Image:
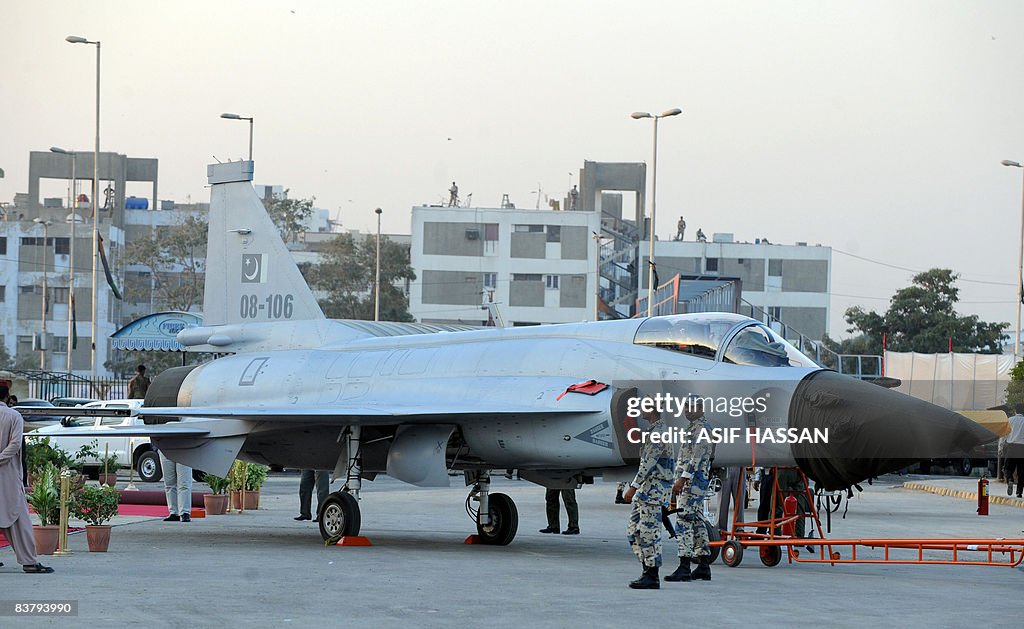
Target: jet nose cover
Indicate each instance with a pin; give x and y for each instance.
(872, 430)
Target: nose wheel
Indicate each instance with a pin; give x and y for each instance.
(339, 516)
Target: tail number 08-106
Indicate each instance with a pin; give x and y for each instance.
(274, 306)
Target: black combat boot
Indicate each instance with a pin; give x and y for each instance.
(647, 581)
(619, 500)
(703, 570)
(682, 573)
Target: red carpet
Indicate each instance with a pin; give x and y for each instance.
(153, 511)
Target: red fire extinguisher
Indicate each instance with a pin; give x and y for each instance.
(789, 508)
(982, 496)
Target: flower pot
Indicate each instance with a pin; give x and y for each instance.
(46, 539)
(98, 537)
(108, 479)
(216, 504)
(252, 500)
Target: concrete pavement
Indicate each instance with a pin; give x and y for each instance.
(263, 569)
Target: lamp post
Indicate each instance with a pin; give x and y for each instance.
(637, 115)
(1020, 260)
(376, 281)
(42, 316)
(237, 117)
(73, 39)
(73, 219)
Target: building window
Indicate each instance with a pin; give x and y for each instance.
(58, 295)
(490, 280)
(3, 293)
(59, 344)
(526, 277)
(490, 232)
(554, 233)
(774, 268)
(774, 313)
(62, 246)
(30, 290)
(533, 229)
(3, 245)
(551, 282)
(711, 265)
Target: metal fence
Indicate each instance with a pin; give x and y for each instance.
(47, 385)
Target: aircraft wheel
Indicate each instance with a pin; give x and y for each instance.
(504, 521)
(770, 555)
(732, 553)
(339, 515)
(713, 536)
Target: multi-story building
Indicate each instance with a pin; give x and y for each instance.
(788, 284)
(536, 265)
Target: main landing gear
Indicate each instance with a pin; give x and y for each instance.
(496, 516)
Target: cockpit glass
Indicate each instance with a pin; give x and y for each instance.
(688, 334)
(753, 346)
(759, 346)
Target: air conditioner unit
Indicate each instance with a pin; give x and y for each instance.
(472, 234)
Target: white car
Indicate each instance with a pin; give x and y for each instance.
(134, 451)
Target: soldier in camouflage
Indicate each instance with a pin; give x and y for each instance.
(693, 469)
(649, 492)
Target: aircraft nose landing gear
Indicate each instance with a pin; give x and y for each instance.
(497, 518)
(339, 516)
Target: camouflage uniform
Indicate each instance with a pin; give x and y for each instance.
(693, 462)
(653, 484)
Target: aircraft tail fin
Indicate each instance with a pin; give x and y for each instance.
(250, 274)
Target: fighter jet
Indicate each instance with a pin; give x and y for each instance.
(549, 404)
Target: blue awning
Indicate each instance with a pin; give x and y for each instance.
(157, 331)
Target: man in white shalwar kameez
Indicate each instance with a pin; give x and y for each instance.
(14, 519)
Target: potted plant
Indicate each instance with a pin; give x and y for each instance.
(216, 502)
(45, 500)
(38, 452)
(96, 506)
(108, 470)
(253, 475)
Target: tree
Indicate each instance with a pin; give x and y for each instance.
(346, 273)
(175, 257)
(1015, 388)
(921, 318)
(5, 359)
(290, 215)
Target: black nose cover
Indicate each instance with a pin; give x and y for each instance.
(872, 430)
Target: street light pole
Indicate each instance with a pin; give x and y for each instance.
(1020, 259)
(42, 317)
(637, 115)
(73, 219)
(95, 201)
(376, 282)
(237, 117)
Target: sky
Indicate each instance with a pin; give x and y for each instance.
(874, 127)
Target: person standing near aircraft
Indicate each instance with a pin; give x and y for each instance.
(178, 488)
(139, 383)
(572, 510)
(15, 523)
(649, 492)
(1014, 450)
(322, 480)
(693, 468)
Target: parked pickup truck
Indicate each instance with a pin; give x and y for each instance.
(142, 456)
